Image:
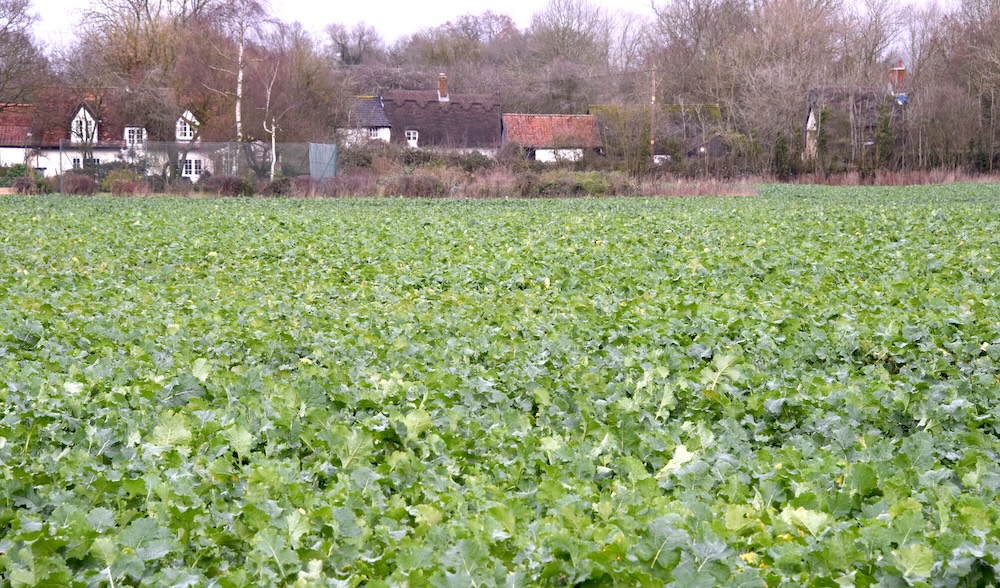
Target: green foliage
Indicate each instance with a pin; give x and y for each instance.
(795, 389)
(558, 183)
(782, 162)
(885, 138)
(121, 176)
(474, 161)
(10, 173)
(32, 185)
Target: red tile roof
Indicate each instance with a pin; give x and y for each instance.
(15, 124)
(552, 131)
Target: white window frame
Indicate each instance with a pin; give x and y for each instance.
(135, 137)
(185, 131)
(412, 137)
(79, 163)
(373, 132)
(192, 168)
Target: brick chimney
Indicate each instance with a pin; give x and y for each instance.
(897, 79)
(442, 88)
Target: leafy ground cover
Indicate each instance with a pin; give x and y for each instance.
(799, 388)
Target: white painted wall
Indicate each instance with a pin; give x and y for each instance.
(11, 155)
(55, 163)
(556, 155)
(353, 137)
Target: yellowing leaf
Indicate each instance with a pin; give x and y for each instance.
(200, 369)
(239, 439)
(681, 457)
(171, 431)
(417, 421)
(810, 520)
(104, 549)
(915, 561)
(739, 517)
(298, 525)
(427, 515)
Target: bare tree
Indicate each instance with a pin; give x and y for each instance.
(921, 32)
(355, 45)
(304, 98)
(135, 37)
(571, 29)
(701, 26)
(238, 23)
(870, 30)
(20, 58)
(484, 28)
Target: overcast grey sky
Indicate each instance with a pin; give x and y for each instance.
(392, 18)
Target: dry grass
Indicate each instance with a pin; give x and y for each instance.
(680, 187)
(389, 179)
(895, 178)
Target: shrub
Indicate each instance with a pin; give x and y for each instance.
(348, 185)
(527, 184)
(180, 186)
(225, 185)
(79, 184)
(419, 157)
(26, 185)
(155, 184)
(119, 174)
(362, 155)
(555, 183)
(354, 185)
(124, 187)
(512, 155)
(303, 187)
(418, 184)
(474, 161)
(277, 187)
(14, 170)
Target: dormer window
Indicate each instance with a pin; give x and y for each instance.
(135, 137)
(185, 132)
(187, 126)
(84, 127)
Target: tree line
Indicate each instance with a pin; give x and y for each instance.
(734, 71)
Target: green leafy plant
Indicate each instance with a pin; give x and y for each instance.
(793, 389)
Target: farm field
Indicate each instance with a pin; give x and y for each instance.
(799, 388)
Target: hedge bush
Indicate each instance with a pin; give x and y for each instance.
(79, 185)
(225, 185)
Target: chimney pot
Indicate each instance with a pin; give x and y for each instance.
(442, 88)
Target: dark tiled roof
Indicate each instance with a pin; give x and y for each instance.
(847, 108)
(15, 123)
(470, 121)
(367, 111)
(552, 131)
